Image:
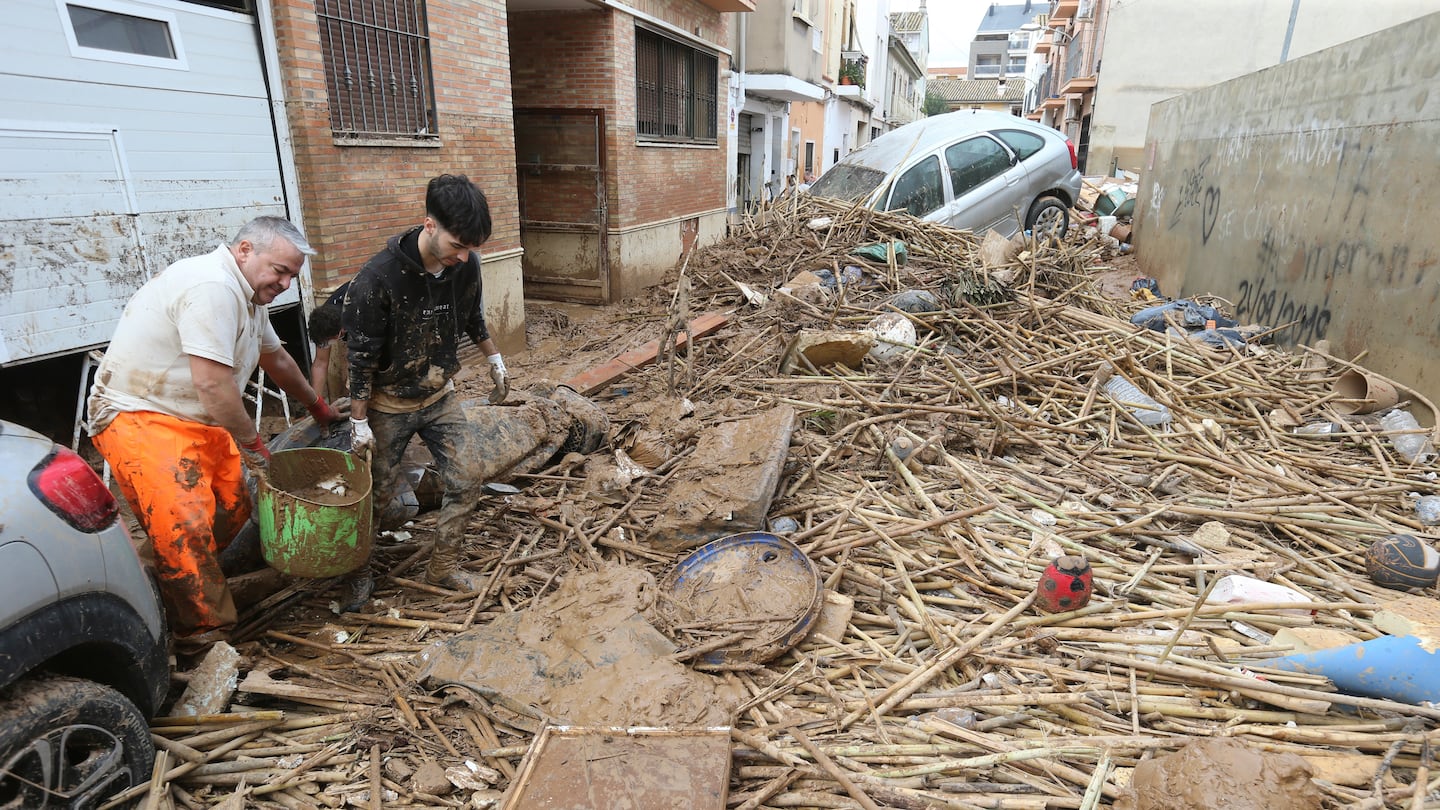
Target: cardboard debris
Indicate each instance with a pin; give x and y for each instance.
(1310, 639)
(586, 654)
(821, 350)
(579, 768)
(834, 619)
(1410, 615)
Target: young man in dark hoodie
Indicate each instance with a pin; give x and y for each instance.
(404, 314)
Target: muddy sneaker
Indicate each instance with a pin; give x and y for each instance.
(355, 591)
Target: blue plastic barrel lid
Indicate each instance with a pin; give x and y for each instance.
(753, 579)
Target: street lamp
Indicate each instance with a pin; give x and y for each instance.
(1000, 85)
(1034, 26)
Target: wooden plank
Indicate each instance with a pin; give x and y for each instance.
(591, 380)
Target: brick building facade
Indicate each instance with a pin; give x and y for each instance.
(372, 121)
(661, 195)
(358, 190)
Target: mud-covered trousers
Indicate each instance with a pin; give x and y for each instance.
(452, 440)
(184, 482)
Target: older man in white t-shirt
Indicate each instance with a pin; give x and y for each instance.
(167, 410)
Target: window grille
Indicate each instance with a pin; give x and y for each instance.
(675, 90)
(377, 67)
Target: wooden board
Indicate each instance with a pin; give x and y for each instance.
(591, 380)
(580, 768)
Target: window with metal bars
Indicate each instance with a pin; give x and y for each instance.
(675, 90)
(377, 68)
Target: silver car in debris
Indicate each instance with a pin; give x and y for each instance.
(972, 169)
(83, 644)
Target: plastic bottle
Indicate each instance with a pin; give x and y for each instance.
(1413, 447)
(1147, 410)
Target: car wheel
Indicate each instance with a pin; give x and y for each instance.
(71, 743)
(1048, 218)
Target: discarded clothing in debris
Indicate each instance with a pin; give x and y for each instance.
(1187, 313)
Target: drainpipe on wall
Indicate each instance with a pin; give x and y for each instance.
(1289, 30)
(737, 105)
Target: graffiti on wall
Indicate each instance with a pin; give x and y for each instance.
(1309, 253)
(1196, 195)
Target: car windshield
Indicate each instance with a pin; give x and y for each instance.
(848, 182)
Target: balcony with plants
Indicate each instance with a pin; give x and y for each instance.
(852, 71)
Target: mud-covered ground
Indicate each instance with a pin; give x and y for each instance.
(929, 490)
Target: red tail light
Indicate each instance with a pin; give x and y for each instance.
(1074, 160)
(70, 489)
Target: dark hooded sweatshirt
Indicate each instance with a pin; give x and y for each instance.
(403, 324)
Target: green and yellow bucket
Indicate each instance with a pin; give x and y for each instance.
(314, 513)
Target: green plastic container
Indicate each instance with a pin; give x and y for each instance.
(306, 529)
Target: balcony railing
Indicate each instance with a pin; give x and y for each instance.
(1077, 59)
(987, 70)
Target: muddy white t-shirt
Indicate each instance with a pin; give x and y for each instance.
(199, 306)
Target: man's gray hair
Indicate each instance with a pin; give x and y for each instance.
(262, 232)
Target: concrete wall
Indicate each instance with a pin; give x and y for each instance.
(1306, 193)
(786, 38)
(1155, 51)
(641, 257)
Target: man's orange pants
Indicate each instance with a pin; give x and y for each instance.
(184, 482)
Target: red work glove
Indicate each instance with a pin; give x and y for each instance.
(323, 411)
(255, 455)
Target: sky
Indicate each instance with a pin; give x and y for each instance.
(952, 25)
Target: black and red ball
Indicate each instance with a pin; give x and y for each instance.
(1402, 561)
(1066, 584)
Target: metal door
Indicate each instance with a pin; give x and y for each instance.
(560, 166)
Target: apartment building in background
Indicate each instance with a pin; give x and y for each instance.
(1070, 38)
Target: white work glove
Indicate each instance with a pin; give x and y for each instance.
(497, 376)
(362, 439)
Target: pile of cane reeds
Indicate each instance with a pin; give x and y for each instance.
(931, 491)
